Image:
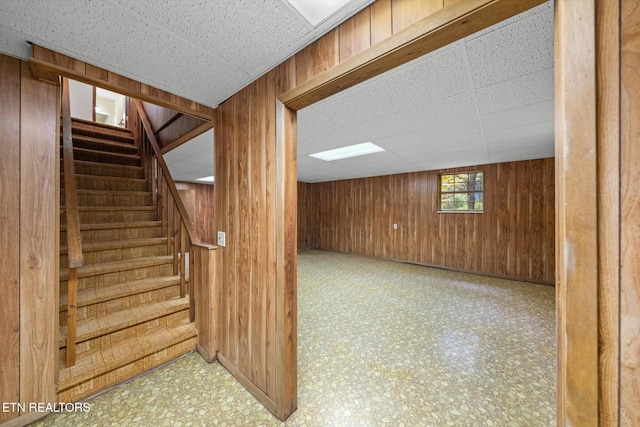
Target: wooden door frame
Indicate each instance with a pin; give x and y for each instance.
(576, 284)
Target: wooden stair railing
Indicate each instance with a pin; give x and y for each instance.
(176, 223)
(74, 242)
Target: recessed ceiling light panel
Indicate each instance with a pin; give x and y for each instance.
(348, 151)
(206, 179)
(316, 11)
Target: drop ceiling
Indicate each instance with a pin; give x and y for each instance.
(203, 50)
(487, 98)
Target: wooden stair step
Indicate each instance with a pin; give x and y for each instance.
(81, 191)
(112, 197)
(100, 182)
(103, 144)
(116, 266)
(98, 362)
(85, 167)
(107, 157)
(113, 225)
(115, 208)
(117, 244)
(95, 327)
(101, 130)
(94, 296)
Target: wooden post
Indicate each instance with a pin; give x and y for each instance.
(72, 292)
(205, 287)
(576, 214)
(183, 244)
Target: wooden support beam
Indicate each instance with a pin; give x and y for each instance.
(48, 65)
(188, 136)
(449, 24)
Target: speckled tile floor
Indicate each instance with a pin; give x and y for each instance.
(380, 344)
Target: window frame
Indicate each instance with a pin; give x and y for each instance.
(465, 211)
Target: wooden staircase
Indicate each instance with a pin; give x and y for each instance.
(130, 316)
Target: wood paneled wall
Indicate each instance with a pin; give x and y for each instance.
(198, 199)
(10, 232)
(370, 26)
(255, 203)
(307, 216)
(28, 237)
(514, 237)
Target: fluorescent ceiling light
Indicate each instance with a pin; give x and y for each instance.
(316, 11)
(206, 178)
(348, 151)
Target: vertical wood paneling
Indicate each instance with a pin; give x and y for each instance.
(608, 111)
(242, 237)
(630, 215)
(406, 12)
(380, 12)
(515, 230)
(256, 207)
(355, 34)
(201, 196)
(308, 217)
(319, 56)
(259, 247)
(270, 236)
(10, 232)
(38, 239)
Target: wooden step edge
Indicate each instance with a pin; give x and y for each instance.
(118, 320)
(88, 270)
(99, 362)
(116, 208)
(110, 165)
(80, 176)
(118, 244)
(106, 139)
(97, 125)
(95, 296)
(114, 225)
(77, 150)
(111, 192)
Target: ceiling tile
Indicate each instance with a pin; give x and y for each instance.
(520, 116)
(520, 132)
(512, 51)
(533, 88)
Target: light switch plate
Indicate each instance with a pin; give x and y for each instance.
(222, 239)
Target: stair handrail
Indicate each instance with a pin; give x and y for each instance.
(74, 241)
(193, 236)
(74, 238)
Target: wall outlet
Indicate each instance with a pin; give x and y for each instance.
(395, 226)
(222, 239)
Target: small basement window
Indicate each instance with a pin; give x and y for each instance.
(462, 192)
